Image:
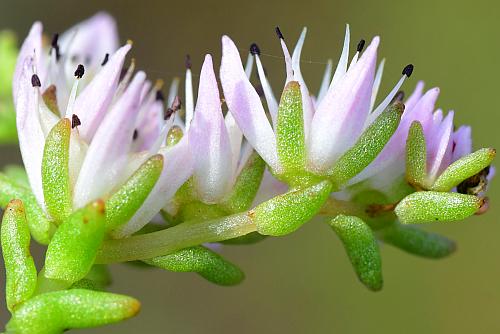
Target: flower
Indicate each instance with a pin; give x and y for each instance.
(117, 124)
(332, 123)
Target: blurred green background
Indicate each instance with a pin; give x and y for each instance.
(304, 283)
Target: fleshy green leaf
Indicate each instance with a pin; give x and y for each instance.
(431, 206)
(246, 186)
(124, 203)
(368, 146)
(464, 168)
(416, 241)
(416, 155)
(203, 261)
(73, 248)
(40, 227)
(174, 135)
(98, 278)
(55, 312)
(290, 131)
(285, 213)
(362, 249)
(55, 171)
(19, 265)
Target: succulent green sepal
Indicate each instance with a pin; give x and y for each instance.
(368, 146)
(21, 275)
(362, 248)
(285, 213)
(464, 168)
(40, 226)
(203, 261)
(416, 241)
(431, 206)
(72, 251)
(416, 156)
(290, 139)
(56, 312)
(55, 171)
(125, 202)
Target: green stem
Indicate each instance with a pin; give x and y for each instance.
(334, 207)
(166, 241)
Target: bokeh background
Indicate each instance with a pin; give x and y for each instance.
(304, 282)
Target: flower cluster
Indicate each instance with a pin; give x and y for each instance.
(115, 172)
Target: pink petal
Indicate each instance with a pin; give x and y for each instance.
(209, 140)
(439, 149)
(109, 149)
(30, 133)
(341, 115)
(32, 46)
(462, 142)
(87, 43)
(93, 102)
(245, 105)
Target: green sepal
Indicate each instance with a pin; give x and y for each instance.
(416, 156)
(55, 171)
(431, 206)
(290, 139)
(285, 213)
(20, 270)
(73, 249)
(246, 186)
(55, 312)
(203, 261)
(40, 227)
(419, 242)
(368, 146)
(464, 168)
(125, 202)
(362, 248)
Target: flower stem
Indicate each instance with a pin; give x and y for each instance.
(166, 241)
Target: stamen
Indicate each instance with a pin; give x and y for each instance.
(80, 71)
(399, 97)
(327, 76)
(360, 46)
(278, 32)
(75, 121)
(189, 96)
(168, 113)
(35, 81)
(105, 60)
(390, 97)
(376, 83)
(272, 103)
(173, 90)
(135, 135)
(408, 70)
(254, 49)
(159, 96)
(344, 58)
(55, 46)
(176, 104)
(188, 62)
(249, 65)
(286, 53)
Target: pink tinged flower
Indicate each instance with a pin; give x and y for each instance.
(126, 124)
(332, 122)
